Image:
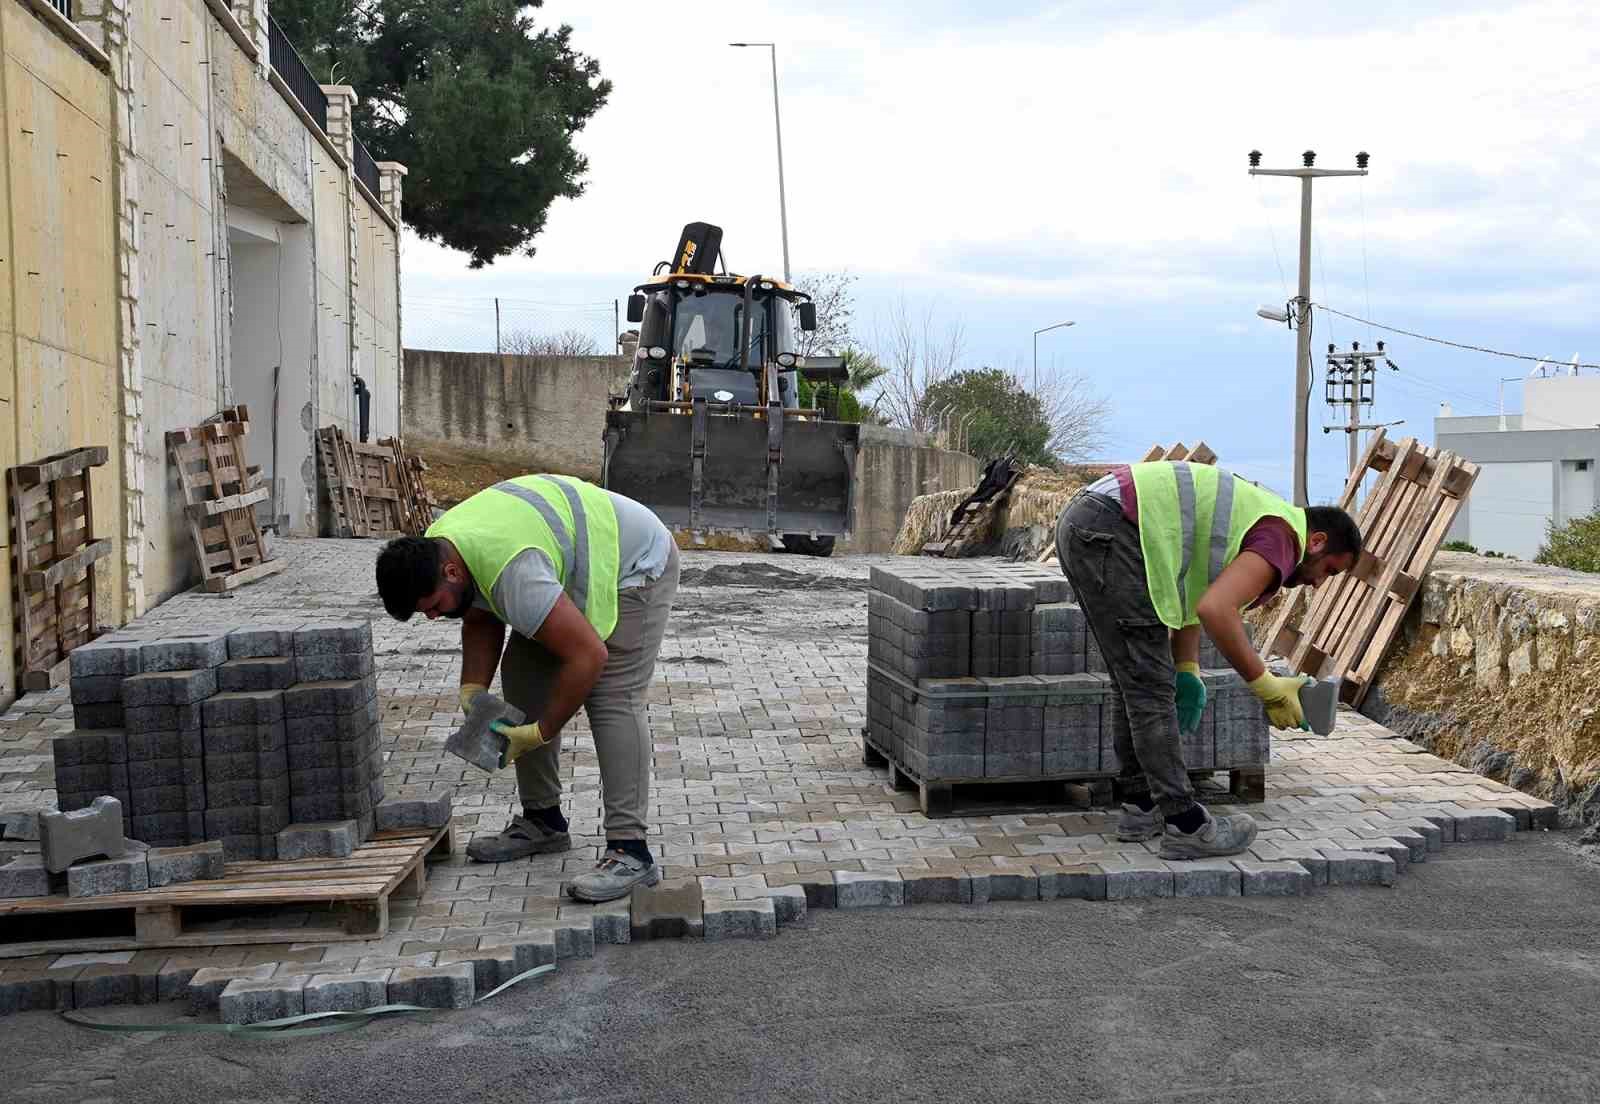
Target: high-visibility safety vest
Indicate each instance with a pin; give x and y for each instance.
(1192, 520)
(572, 522)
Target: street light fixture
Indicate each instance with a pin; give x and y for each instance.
(1036, 334)
(777, 124)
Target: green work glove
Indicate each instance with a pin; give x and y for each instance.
(519, 738)
(1191, 697)
(1281, 696)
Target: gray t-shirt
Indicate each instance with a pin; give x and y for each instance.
(527, 589)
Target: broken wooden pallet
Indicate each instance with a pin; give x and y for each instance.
(53, 558)
(220, 493)
(973, 525)
(1343, 629)
(348, 898)
(1200, 454)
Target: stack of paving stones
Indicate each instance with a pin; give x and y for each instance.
(238, 737)
(984, 670)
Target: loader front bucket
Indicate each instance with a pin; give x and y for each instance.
(711, 469)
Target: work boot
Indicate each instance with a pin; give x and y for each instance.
(616, 875)
(517, 840)
(1135, 825)
(1218, 836)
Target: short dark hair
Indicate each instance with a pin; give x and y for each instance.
(1344, 535)
(408, 571)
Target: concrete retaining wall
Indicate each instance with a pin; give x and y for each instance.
(549, 411)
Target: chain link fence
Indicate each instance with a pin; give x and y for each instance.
(520, 326)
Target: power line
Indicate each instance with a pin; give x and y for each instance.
(1446, 341)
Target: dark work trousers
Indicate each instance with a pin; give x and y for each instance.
(1100, 554)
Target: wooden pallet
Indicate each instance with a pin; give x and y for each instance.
(939, 798)
(1344, 628)
(220, 493)
(372, 490)
(976, 520)
(53, 558)
(349, 899)
(1200, 454)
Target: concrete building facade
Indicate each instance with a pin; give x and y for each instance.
(192, 224)
(1539, 466)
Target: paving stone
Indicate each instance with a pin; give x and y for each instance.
(265, 673)
(429, 811)
(323, 668)
(328, 839)
(161, 718)
(245, 739)
(1273, 879)
(1082, 881)
(253, 1000)
(1484, 824)
(332, 639)
(96, 690)
(669, 910)
(433, 986)
(19, 824)
(334, 726)
(99, 715)
(930, 889)
(243, 707)
(491, 966)
(196, 862)
(788, 904)
(24, 876)
(612, 920)
(64, 838)
(206, 984)
(261, 641)
(530, 948)
(853, 889)
(1205, 878)
(105, 984)
(104, 658)
(574, 938)
(732, 919)
(173, 687)
(351, 992)
(1125, 882)
(193, 651)
(1358, 868)
(334, 696)
(1006, 885)
(127, 874)
(31, 991)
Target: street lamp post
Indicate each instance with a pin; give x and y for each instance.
(777, 125)
(1036, 334)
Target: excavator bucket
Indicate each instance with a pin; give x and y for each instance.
(707, 469)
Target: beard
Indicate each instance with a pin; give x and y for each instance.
(469, 594)
(1297, 577)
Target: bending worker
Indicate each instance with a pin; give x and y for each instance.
(585, 579)
(1154, 553)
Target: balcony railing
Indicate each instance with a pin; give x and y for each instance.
(286, 60)
(62, 6)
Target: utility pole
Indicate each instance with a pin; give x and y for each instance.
(497, 324)
(1302, 302)
(1352, 383)
(777, 126)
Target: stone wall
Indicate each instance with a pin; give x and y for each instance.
(896, 466)
(1498, 668)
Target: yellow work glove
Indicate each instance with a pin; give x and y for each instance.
(519, 738)
(1281, 696)
(470, 690)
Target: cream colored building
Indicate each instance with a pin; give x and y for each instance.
(191, 225)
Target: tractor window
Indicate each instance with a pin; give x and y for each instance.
(657, 320)
(708, 323)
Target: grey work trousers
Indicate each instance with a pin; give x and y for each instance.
(615, 708)
(1100, 553)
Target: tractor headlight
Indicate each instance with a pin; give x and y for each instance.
(658, 352)
(786, 359)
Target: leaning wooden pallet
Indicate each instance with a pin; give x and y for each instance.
(220, 491)
(352, 893)
(53, 557)
(378, 477)
(1345, 628)
(372, 490)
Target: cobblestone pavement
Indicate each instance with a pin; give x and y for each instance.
(761, 804)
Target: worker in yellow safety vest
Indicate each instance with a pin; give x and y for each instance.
(1155, 552)
(585, 579)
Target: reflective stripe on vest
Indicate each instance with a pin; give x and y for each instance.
(575, 551)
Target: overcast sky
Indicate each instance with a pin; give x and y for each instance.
(1086, 161)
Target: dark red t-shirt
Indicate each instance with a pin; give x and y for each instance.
(1271, 538)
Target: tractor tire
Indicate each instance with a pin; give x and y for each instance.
(808, 546)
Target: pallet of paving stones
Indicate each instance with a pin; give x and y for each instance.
(372, 490)
(985, 674)
(323, 899)
(221, 491)
(1343, 629)
(53, 562)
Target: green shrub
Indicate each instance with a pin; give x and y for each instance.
(1575, 545)
(1458, 546)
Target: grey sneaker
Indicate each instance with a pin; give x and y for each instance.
(1218, 836)
(616, 875)
(1135, 825)
(517, 840)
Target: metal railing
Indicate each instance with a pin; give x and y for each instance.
(366, 168)
(62, 6)
(286, 60)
